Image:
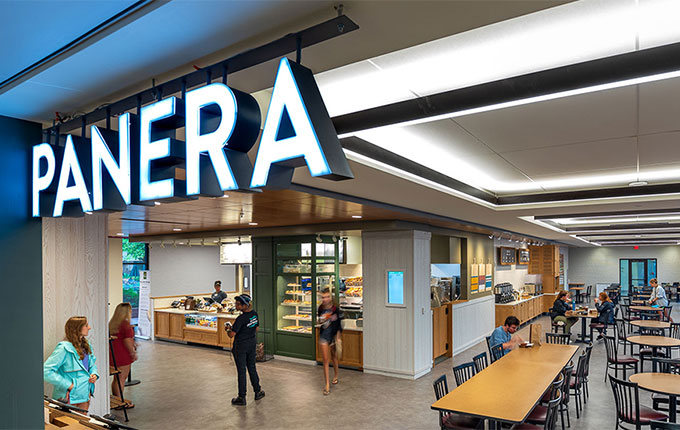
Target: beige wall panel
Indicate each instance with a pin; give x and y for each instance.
(75, 276)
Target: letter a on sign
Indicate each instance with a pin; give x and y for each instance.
(298, 131)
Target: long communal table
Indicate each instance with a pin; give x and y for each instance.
(509, 388)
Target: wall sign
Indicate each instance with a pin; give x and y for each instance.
(395, 288)
(221, 125)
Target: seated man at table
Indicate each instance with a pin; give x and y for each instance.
(559, 310)
(503, 335)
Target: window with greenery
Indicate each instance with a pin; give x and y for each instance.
(135, 258)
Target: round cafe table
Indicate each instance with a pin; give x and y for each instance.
(662, 383)
(654, 342)
(651, 324)
(645, 308)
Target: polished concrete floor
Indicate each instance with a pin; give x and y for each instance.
(190, 387)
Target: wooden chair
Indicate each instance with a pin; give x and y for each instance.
(463, 372)
(556, 325)
(556, 338)
(628, 407)
(551, 416)
(449, 420)
(480, 361)
(616, 361)
(496, 352)
(664, 365)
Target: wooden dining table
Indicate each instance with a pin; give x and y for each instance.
(508, 389)
(645, 308)
(662, 383)
(592, 313)
(651, 324)
(655, 342)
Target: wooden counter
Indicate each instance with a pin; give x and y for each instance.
(525, 309)
(169, 324)
(352, 349)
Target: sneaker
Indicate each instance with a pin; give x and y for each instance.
(599, 337)
(259, 395)
(238, 401)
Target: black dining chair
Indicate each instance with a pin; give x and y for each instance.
(616, 361)
(463, 372)
(450, 420)
(577, 384)
(628, 407)
(480, 361)
(621, 335)
(568, 371)
(539, 415)
(551, 416)
(664, 365)
(496, 352)
(588, 352)
(488, 346)
(589, 290)
(557, 338)
(662, 425)
(675, 330)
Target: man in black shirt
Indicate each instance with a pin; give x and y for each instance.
(218, 295)
(244, 333)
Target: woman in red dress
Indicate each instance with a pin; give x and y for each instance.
(124, 346)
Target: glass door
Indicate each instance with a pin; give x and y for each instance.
(636, 273)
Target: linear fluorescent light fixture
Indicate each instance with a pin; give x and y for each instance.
(632, 68)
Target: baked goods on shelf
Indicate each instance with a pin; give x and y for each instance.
(354, 292)
(357, 281)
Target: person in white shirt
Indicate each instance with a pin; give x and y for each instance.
(658, 295)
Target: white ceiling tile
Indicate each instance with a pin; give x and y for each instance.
(581, 158)
(659, 106)
(661, 148)
(595, 116)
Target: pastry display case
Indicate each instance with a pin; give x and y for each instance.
(352, 300)
(304, 267)
(193, 320)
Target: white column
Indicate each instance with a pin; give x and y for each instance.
(397, 341)
(75, 284)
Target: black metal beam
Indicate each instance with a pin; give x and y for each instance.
(272, 50)
(616, 68)
(377, 153)
(650, 212)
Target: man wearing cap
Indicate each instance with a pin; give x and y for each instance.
(218, 295)
(244, 331)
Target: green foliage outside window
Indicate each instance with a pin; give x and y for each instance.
(134, 252)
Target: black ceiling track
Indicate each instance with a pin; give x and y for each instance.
(622, 227)
(650, 212)
(273, 50)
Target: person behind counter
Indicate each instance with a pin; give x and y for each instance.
(503, 335)
(218, 295)
(331, 325)
(71, 367)
(123, 347)
(560, 308)
(244, 331)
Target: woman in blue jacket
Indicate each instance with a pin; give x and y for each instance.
(71, 368)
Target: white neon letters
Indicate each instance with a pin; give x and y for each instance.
(304, 143)
(41, 183)
(101, 155)
(213, 142)
(77, 191)
(154, 150)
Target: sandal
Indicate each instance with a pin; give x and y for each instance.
(326, 392)
(335, 381)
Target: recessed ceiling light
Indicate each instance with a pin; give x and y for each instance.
(89, 213)
(120, 234)
(252, 223)
(226, 196)
(357, 216)
(638, 183)
(215, 241)
(176, 229)
(157, 203)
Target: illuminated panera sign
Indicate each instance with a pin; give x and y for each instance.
(221, 126)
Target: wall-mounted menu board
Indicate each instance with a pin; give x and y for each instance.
(506, 256)
(523, 256)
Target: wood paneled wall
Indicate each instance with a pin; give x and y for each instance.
(75, 282)
(397, 340)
